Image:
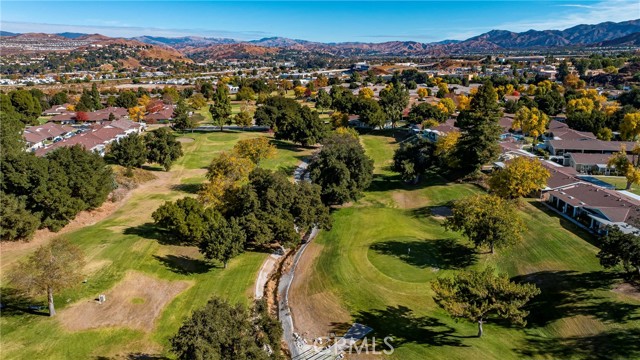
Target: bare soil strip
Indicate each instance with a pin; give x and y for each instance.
(135, 302)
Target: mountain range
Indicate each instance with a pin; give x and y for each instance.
(625, 33)
(611, 33)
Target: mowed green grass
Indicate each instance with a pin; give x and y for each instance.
(125, 242)
(382, 255)
(620, 183)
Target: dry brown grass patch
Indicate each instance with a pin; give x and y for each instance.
(628, 290)
(135, 302)
(408, 199)
(314, 314)
(185, 140)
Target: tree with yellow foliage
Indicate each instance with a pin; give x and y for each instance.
(605, 134)
(197, 101)
(429, 123)
(347, 131)
(584, 105)
(285, 85)
(630, 126)
(531, 90)
(322, 81)
(610, 109)
(256, 149)
(509, 89)
(521, 177)
(366, 93)
(543, 87)
(463, 102)
(144, 100)
(598, 100)
(630, 168)
(448, 104)
(443, 90)
(227, 171)
(136, 113)
(444, 149)
(532, 122)
(244, 118)
(574, 82)
(339, 119)
(422, 93)
(299, 91)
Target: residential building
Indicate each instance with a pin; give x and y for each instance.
(596, 208)
(588, 146)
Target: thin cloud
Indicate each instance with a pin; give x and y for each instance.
(616, 11)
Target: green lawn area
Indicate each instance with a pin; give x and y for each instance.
(365, 262)
(125, 242)
(620, 182)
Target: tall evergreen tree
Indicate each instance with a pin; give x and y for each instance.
(221, 108)
(95, 97)
(181, 119)
(480, 132)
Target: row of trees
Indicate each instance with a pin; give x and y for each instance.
(586, 109)
(159, 146)
(393, 100)
(291, 121)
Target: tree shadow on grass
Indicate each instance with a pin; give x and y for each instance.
(405, 327)
(284, 145)
(440, 253)
(142, 356)
(443, 210)
(614, 344)
(151, 231)
(152, 167)
(569, 293)
(15, 303)
(394, 182)
(386, 183)
(184, 265)
(187, 188)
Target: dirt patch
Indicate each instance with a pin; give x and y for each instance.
(628, 290)
(314, 313)
(135, 302)
(185, 140)
(408, 200)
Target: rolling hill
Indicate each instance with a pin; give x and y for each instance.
(626, 33)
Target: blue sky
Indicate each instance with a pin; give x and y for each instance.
(326, 21)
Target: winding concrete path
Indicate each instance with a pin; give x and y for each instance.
(263, 274)
(296, 347)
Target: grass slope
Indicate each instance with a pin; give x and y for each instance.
(126, 241)
(384, 251)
